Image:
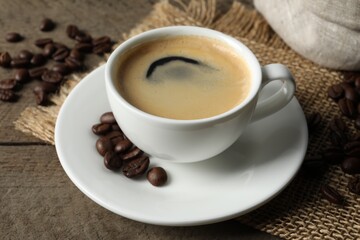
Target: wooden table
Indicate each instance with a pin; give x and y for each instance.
(37, 199)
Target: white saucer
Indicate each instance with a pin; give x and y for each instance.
(255, 169)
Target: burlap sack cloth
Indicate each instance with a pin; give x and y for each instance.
(299, 212)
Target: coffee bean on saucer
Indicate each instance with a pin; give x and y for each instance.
(37, 72)
(47, 25)
(103, 145)
(7, 96)
(42, 42)
(137, 166)
(115, 127)
(13, 37)
(157, 176)
(112, 161)
(22, 75)
(131, 154)
(8, 84)
(5, 59)
(332, 195)
(107, 117)
(114, 134)
(38, 60)
(26, 54)
(122, 146)
(354, 185)
(351, 165)
(51, 76)
(101, 128)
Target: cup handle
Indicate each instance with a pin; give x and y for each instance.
(279, 99)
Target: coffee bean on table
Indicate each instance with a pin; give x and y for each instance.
(13, 37)
(73, 63)
(47, 25)
(102, 48)
(19, 63)
(46, 87)
(104, 145)
(122, 146)
(42, 42)
(112, 161)
(37, 72)
(347, 107)
(26, 54)
(83, 37)
(101, 128)
(354, 185)
(338, 139)
(351, 94)
(51, 76)
(7, 96)
(60, 54)
(157, 176)
(332, 195)
(335, 92)
(61, 68)
(107, 117)
(5, 59)
(8, 84)
(38, 60)
(49, 49)
(22, 75)
(352, 148)
(337, 125)
(83, 47)
(41, 96)
(76, 54)
(72, 31)
(136, 166)
(101, 40)
(351, 165)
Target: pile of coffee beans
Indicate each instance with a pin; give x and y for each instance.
(120, 154)
(343, 151)
(63, 60)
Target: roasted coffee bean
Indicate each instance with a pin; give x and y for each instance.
(107, 117)
(72, 31)
(83, 37)
(101, 128)
(41, 96)
(349, 77)
(115, 127)
(8, 84)
(357, 82)
(26, 54)
(123, 145)
(116, 140)
(37, 72)
(7, 96)
(103, 145)
(112, 161)
(357, 122)
(47, 25)
(49, 49)
(352, 148)
(73, 63)
(76, 54)
(19, 63)
(83, 47)
(22, 75)
(102, 48)
(136, 167)
(114, 134)
(354, 185)
(101, 40)
(46, 87)
(314, 165)
(351, 165)
(338, 139)
(157, 176)
(333, 155)
(61, 68)
(51, 76)
(347, 107)
(132, 153)
(58, 45)
(5, 59)
(313, 121)
(38, 60)
(337, 125)
(332, 195)
(335, 92)
(60, 54)
(42, 42)
(351, 94)
(13, 37)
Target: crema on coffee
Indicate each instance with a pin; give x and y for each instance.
(183, 77)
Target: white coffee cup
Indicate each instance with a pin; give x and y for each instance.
(199, 139)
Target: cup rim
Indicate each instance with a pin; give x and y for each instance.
(249, 56)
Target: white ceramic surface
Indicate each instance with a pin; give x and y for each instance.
(251, 172)
(199, 139)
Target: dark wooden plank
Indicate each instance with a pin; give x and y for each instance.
(38, 201)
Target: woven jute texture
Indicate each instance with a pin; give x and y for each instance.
(299, 212)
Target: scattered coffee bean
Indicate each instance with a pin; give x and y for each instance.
(103, 145)
(338, 139)
(51, 76)
(332, 195)
(72, 31)
(131, 154)
(36, 73)
(61, 68)
(83, 47)
(313, 121)
(108, 117)
(38, 60)
(46, 87)
(101, 128)
(101, 40)
(41, 96)
(83, 37)
(352, 148)
(157, 176)
(7, 96)
(42, 42)
(115, 127)
(333, 155)
(19, 63)
(354, 185)
(13, 37)
(351, 165)
(116, 140)
(337, 125)
(76, 54)
(112, 161)
(335, 92)
(114, 134)
(357, 122)
(5, 59)
(123, 146)
(60, 45)
(60, 54)
(351, 94)
(136, 166)
(73, 63)
(26, 54)
(47, 25)
(102, 48)
(347, 107)
(49, 49)
(8, 84)
(22, 75)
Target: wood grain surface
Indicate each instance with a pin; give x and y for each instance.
(37, 199)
